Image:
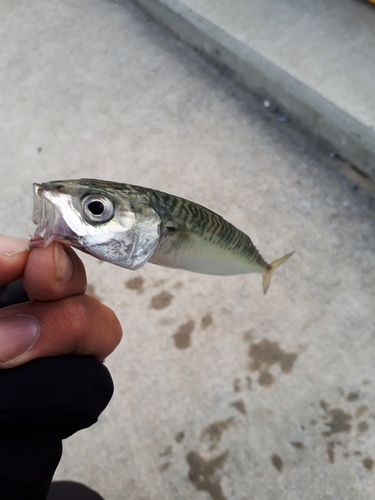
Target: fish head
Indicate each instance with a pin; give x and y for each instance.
(111, 224)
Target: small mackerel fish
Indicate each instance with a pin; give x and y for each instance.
(131, 225)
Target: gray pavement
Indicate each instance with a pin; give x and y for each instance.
(315, 61)
(221, 393)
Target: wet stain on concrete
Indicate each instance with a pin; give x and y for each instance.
(161, 300)
(362, 426)
(178, 285)
(277, 462)
(368, 463)
(179, 436)
(214, 431)
(361, 410)
(297, 444)
(206, 321)
(135, 284)
(203, 473)
(182, 338)
(240, 406)
(249, 335)
(352, 396)
(237, 385)
(339, 420)
(90, 290)
(330, 447)
(265, 354)
(164, 467)
(167, 451)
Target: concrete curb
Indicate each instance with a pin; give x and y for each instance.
(343, 133)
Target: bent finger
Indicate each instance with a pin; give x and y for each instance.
(14, 253)
(73, 325)
(53, 273)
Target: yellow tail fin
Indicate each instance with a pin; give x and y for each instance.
(267, 274)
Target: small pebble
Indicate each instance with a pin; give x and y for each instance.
(334, 156)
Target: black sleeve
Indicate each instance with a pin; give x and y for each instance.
(41, 403)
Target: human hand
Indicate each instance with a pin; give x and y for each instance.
(59, 319)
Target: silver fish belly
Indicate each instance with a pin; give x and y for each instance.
(131, 225)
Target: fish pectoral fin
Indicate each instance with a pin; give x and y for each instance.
(268, 273)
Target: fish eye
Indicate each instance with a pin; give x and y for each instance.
(97, 208)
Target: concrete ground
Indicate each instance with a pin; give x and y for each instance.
(313, 61)
(221, 393)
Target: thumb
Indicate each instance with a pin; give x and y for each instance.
(74, 325)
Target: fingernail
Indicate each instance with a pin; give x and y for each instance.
(17, 335)
(10, 245)
(63, 263)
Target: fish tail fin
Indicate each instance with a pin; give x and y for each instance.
(268, 273)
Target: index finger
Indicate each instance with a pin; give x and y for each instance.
(14, 253)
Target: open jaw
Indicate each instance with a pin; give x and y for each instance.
(50, 223)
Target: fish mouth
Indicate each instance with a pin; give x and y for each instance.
(50, 223)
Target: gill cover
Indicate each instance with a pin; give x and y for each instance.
(97, 222)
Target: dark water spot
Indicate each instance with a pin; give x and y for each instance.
(264, 355)
(346, 455)
(161, 300)
(248, 383)
(352, 396)
(215, 431)
(178, 285)
(357, 453)
(237, 385)
(339, 422)
(167, 451)
(206, 321)
(365, 382)
(361, 410)
(265, 379)
(277, 462)
(249, 335)
(90, 290)
(368, 463)
(362, 426)
(324, 405)
(40, 150)
(202, 473)
(297, 444)
(240, 406)
(313, 422)
(179, 436)
(135, 284)
(182, 338)
(164, 467)
(330, 447)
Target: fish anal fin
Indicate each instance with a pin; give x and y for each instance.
(268, 273)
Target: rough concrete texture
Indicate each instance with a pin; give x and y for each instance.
(315, 60)
(221, 392)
